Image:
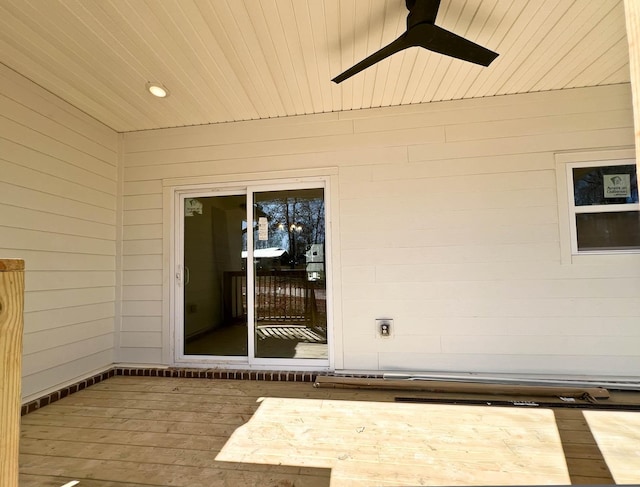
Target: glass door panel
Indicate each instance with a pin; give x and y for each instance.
(214, 279)
(290, 315)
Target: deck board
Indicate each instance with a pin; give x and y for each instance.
(617, 434)
(135, 431)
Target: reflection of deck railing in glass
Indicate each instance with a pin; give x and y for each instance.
(281, 296)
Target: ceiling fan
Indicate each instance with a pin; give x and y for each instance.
(422, 32)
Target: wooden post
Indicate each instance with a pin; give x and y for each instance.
(632, 14)
(11, 328)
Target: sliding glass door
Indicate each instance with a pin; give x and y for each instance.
(290, 312)
(214, 285)
(252, 278)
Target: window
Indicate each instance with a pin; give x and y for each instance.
(603, 202)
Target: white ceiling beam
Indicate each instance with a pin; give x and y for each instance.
(632, 14)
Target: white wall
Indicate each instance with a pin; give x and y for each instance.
(449, 223)
(58, 213)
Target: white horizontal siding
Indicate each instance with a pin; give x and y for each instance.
(62, 298)
(44, 163)
(141, 339)
(53, 338)
(62, 261)
(142, 293)
(554, 142)
(141, 278)
(141, 335)
(305, 126)
(49, 241)
(36, 321)
(443, 259)
(39, 197)
(140, 355)
(516, 326)
(566, 364)
(139, 217)
(142, 232)
(29, 137)
(141, 187)
(449, 223)
(499, 108)
(500, 129)
(58, 197)
(352, 141)
(142, 247)
(142, 323)
(266, 163)
(43, 281)
(438, 290)
(68, 353)
(142, 262)
(141, 308)
(17, 217)
(65, 372)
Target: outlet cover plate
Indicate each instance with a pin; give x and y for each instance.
(380, 322)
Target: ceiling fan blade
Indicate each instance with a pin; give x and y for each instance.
(396, 46)
(442, 41)
(422, 32)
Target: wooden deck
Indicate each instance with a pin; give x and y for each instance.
(147, 431)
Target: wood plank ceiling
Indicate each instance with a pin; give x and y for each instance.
(230, 60)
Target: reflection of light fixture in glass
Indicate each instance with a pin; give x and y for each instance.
(156, 89)
(280, 226)
(295, 228)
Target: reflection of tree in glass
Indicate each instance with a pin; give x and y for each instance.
(588, 189)
(588, 185)
(294, 224)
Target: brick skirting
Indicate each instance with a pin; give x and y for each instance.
(275, 376)
(66, 391)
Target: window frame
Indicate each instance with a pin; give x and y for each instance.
(608, 208)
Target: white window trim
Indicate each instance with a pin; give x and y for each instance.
(565, 162)
(173, 187)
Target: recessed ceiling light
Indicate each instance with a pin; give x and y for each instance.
(156, 89)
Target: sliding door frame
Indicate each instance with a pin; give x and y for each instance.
(177, 195)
